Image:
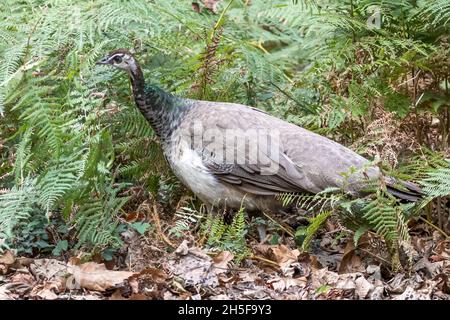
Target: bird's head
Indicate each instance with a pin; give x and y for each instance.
(122, 59)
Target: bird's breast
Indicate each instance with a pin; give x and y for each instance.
(187, 165)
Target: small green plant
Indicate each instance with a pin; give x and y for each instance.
(230, 237)
(140, 227)
(39, 236)
(304, 235)
(97, 220)
(437, 181)
(186, 218)
(380, 212)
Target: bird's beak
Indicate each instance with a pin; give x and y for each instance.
(103, 61)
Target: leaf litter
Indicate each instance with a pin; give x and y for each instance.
(152, 270)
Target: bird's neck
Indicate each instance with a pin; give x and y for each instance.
(158, 107)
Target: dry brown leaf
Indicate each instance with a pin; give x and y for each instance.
(281, 284)
(149, 277)
(314, 263)
(23, 262)
(436, 258)
(157, 275)
(6, 261)
(7, 258)
(345, 281)
(117, 295)
(138, 296)
(282, 255)
(196, 7)
(74, 261)
(350, 262)
(222, 259)
(196, 267)
(363, 287)
(377, 293)
(220, 297)
(212, 5)
(443, 282)
(183, 248)
(245, 276)
(442, 251)
(94, 276)
(87, 296)
(22, 277)
(193, 269)
(411, 294)
(45, 269)
(134, 284)
(5, 294)
(134, 216)
(259, 293)
(167, 295)
(21, 282)
(48, 290)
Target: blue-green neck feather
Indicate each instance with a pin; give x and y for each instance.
(161, 109)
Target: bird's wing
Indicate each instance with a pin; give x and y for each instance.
(303, 161)
(266, 177)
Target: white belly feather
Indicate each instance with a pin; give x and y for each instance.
(189, 168)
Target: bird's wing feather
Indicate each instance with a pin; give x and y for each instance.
(306, 162)
(256, 178)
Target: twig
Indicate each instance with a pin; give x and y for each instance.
(273, 263)
(439, 213)
(289, 232)
(411, 79)
(158, 227)
(435, 227)
(374, 255)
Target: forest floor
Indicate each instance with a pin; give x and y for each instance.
(152, 266)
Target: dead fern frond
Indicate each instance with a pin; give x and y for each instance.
(209, 65)
(384, 138)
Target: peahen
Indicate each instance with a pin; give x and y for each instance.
(272, 156)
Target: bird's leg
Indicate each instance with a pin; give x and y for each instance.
(294, 217)
(221, 211)
(261, 225)
(228, 215)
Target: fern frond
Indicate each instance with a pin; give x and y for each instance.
(97, 219)
(437, 182)
(186, 217)
(16, 205)
(315, 224)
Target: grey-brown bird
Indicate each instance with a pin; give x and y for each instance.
(231, 155)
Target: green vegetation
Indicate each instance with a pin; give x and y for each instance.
(72, 142)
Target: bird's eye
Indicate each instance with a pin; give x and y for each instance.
(117, 59)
